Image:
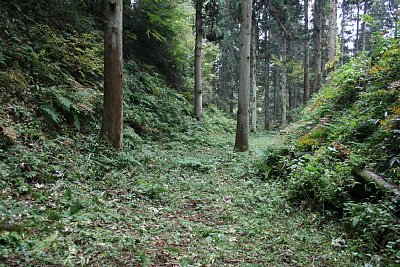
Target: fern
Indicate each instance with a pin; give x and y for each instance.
(64, 102)
(51, 114)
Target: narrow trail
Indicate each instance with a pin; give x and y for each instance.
(185, 203)
(208, 209)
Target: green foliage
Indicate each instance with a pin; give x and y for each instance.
(210, 53)
(326, 177)
(274, 166)
(52, 115)
(46, 70)
(354, 124)
(62, 14)
(151, 107)
(158, 34)
(314, 139)
(348, 82)
(65, 104)
(295, 70)
(182, 195)
(375, 225)
(163, 192)
(13, 82)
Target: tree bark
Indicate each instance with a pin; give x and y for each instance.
(276, 101)
(112, 123)
(253, 102)
(266, 89)
(343, 26)
(198, 112)
(318, 45)
(356, 45)
(290, 85)
(363, 28)
(306, 92)
(242, 128)
(332, 36)
(284, 82)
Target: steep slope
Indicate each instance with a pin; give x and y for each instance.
(349, 135)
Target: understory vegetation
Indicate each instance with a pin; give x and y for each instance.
(350, 126)
(177, 195)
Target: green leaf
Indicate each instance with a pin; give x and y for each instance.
(355, 221)
(173, 250)
(2, 57)
(51, 114)
(65, 103)
(143, 257)
(184, 262)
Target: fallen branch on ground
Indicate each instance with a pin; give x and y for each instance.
(370, 176)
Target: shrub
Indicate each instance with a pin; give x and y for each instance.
(375, 225)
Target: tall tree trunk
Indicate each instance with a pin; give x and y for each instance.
(276, 88)
(342, 30)
(226, 98)
(266, 89)
(289, 82)
(284, 81)
(332, 36)
(242, 128)
(197, 66)
(318, 45)
(294, 93)
(232, 96)
(224, 87)
(112, 122)
(306, 92)
(253, 101)
(357, 42)
(363, 28)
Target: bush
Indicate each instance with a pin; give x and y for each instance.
(375, 225)
(326, 177)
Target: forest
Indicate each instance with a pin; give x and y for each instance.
(243, 133)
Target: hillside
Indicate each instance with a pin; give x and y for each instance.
(342, 157)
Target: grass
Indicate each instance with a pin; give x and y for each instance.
(175, 204)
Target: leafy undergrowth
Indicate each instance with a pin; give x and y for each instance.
(176, 203)
(177, 195)
(350, 126)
